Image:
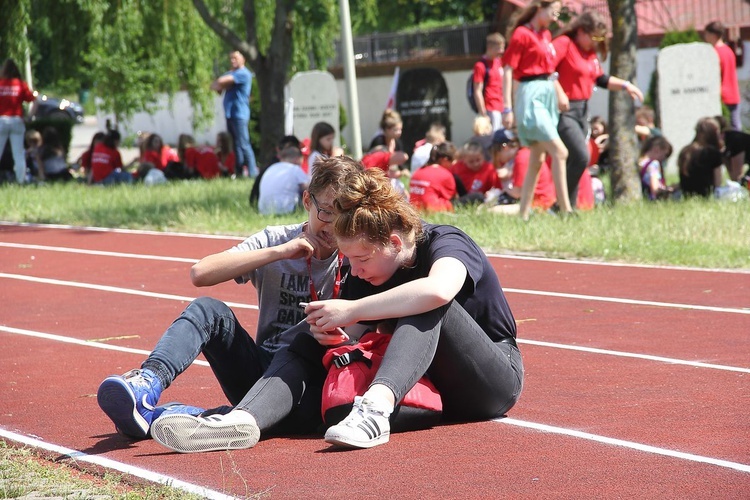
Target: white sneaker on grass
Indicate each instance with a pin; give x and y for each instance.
(190, 434)
(366, 426)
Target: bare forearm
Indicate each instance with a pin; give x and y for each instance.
(224, 266)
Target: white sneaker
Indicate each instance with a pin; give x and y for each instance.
(365, 427)
(189, 434)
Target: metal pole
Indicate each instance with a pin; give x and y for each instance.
(27, 62)
(350, 76)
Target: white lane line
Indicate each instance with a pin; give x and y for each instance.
(616, 264)
(615, 300)
(542, 427)
(121, 231)
(623, 354)
(76, 455)
(85, 343)
(96, 252)
(105, 288)
(492, 255)
(593, 350)
(620, 300)
(626, 444)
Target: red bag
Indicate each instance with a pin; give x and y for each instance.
(351, 369)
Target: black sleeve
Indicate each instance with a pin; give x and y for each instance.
(602, 81)
(460, 188)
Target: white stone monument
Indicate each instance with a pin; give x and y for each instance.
(689, 89)
(314, 98)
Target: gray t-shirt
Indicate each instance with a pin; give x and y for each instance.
(282, 285)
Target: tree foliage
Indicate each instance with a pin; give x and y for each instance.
(129, 51)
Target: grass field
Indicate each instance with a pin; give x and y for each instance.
(696, 233)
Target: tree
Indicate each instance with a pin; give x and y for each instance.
(626, 184)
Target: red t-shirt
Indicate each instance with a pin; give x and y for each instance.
(593, 152)
(104, 160)
(544, 194)
(160, 159)
(13, 93)
(203, 160)
(585, 199)
(480, 181)
(530, 53)
(577, 70)
(229, 162)
(377, 159)
(432, 188)
(730, 87)
(493, 91)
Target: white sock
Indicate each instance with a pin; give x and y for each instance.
(378, 400)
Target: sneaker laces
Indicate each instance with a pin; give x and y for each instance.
(363, 407)
(139, 379)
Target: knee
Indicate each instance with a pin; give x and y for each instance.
(205, 307)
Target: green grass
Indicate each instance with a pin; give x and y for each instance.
(24, 473)
(697, 233)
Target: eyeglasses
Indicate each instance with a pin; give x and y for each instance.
(323, 215)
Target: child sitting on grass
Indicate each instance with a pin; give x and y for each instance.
(654, 153)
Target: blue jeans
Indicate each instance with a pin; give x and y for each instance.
(243, 151)
(476, 377)
(118, 177)
(12, 129)
(282, 391)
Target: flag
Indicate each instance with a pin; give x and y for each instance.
(289, 117)
(391, 102)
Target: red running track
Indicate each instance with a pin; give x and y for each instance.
(636, 379)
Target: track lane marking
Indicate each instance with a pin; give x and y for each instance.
(624, 354)
(45, 248)
(489, 254)
(619, 300)
(616, 300)
(509, 421)
(77, 455)
(115, 289)
(623, 443)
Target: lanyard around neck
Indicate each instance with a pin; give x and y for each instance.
(336, 283)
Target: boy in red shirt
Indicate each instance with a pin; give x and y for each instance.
(106, 162)
(477, 175)
(730, 89)
(433, 187)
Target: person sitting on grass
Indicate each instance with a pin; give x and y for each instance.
(283, 183)
(287, 265)
(655, 151)
(433, 187)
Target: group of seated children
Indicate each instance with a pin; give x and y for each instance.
(451, 178)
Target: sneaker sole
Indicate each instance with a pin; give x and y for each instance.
(117, 400)
(188, 434)
(347, 442)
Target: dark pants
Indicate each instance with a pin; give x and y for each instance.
(476, 377)
(573, 128)
(282, 391)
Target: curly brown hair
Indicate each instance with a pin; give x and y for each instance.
(369, 207)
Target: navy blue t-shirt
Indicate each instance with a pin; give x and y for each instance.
(481, 296)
